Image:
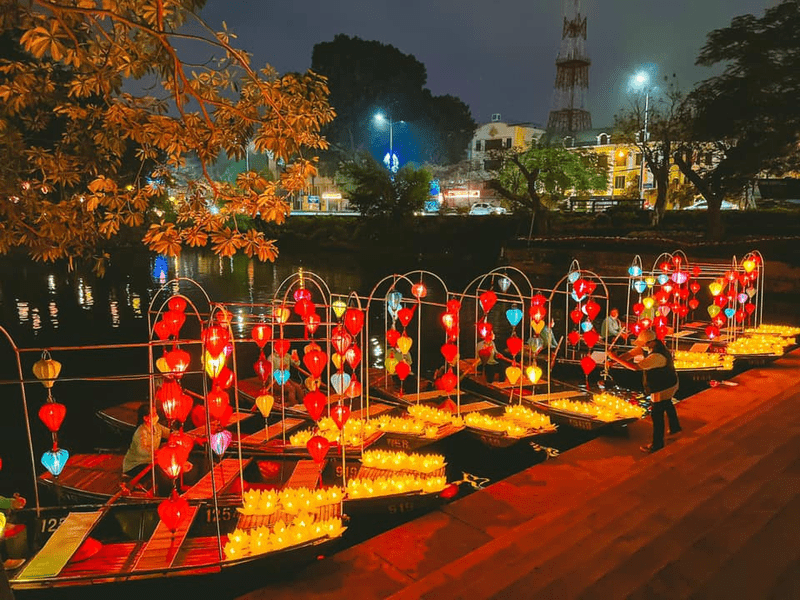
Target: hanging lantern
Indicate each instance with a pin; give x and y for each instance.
(712, 331)
(46, 370)
(392, 335)
(534, 374)
(173, 511)
(693, 303)
(315, 404)
(223, 318)
(450, 352)
(353, 320)
(216, 401)
(281, 347)
(281, 314)
(184, 440)
(448, 382)
(453, 306)
(312, 322)
(215, 338)
(301, 294)
(504, 283)
(177, 362)
(514, 345)
(339, 306)
(634, 270)
(315, 361)
(304, 307)
(485, 329)
(198, 415)
(161, 329)
(419, 291)
(52, 415)
(588, 365)
(353, 389)
(318, 447)
(261, 334)
(338, 360)
(340, 382)
(405, 315)
(592, 309)
(715, 287)
(213, 364)
(263, 368)
(54, 460)
(264, 404)
(404, 344)
(340, 414)
(749, 265)
(340, 339)
(591, 337)
(353, 356)
(177, 303)
(573, 337)
(171, 457)
(174, 321)
(402, 370)
(513, 374)
(224, 378)
(449, 322)
(220, 441)
(168, 395)
(538, 313)
(514, 316)
(487, 300)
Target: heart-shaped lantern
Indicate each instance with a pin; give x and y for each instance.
(216, 401)
(485, 329)
(513, 374)
(315, 404)
(449, 322)
(712, 331)
(402, 370)
(648, 302)
(742, 298)
(264, 403)
(663, 310)
(340, 414)
(730, 312)
(592, 309)
(715, 287)
(573, 276)
(353, 320)
(224, 378)
(318, 447)
(679, 277)
(749, 308)
(340, 381)
(55, 460)
(487, 300)
(392, 335)
(573, 337)
(514, 345)
(586, 326)
(304, 307)
(576, 315)
(534, 373)
(261, 334)
(281, 314)
(173, 511)
(52, 415)
(220, 441)
(405, 315)
(662, 279)
(693, 303)
(638, 308)
(339, 306)
(634, 270)
(537, 326)
(450, 352)
(537, 313)
(739, 315)
(215, 338)
(514, 316)
(591, 337)
(639, 285)
(453, 306)
(171, 457)
(721, 301)
(588, 365)
(281, 376)
(315, 361)
(393, 300)
(161, 329)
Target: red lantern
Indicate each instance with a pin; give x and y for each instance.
(304, 307)
(177, 303)
(171, 457)
(315, 403)
(487, 300)
(637, 328)
(402, 370)
(693, 303)
(353, 390)
(217, 400)
(263, 368)
(392, 335)
(538, 313)
(538, 300)
(301, 294)
(588, 365)
(215, 338)
(312, 322)
(261, 334)
(592, 309)
(281, 346)
(450, 491)
(574, 337)
(177, 361)
(486, 351)
(695, 287)
(449, 351)
(448, 381)
(161, 329)
(638, 308)
(173, 511)
(224, 378)
(721, 301)
(52, 415)
(576, 315)
(485, 329)
(341, 340)
(318, 447)
(749, 308)
(453, 306)
(353, 320)
(174, 321)
(184, 440)
(223, 318)
(353, 356)
(405, 315)
(168, 394)
(418, 290)
(514, 345)
(712, 331)
(591, 337)
(315, 362)
(340, 414)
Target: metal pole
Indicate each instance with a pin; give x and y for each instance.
(644, 144)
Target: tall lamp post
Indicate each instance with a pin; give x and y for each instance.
(640, 81)
(382, 119)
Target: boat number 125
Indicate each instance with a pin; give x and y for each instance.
(226, 513)
(51, 524)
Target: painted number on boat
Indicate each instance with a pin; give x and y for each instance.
(402, 507)
(351, 471)
(51, 524)
(395, 443)
(226, 513)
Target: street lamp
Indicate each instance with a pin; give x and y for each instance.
(640, 81)
(392, 164)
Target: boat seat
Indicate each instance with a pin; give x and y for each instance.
(306, 474)
(64, 542)
(161, 549)
(226, 472)
(375, 409)
(258, 438)
(475, 406)
(235, 418)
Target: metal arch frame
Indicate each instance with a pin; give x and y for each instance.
(518, 299)
(760, 282)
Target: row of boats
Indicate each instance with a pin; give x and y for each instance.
(287, 419)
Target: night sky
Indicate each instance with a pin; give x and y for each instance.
(497, 56)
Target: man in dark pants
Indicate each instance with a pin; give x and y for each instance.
(660, 382)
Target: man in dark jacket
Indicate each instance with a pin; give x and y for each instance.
(660, 382)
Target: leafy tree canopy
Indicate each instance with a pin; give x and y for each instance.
(82, 157)
(377, 194)
(367, 77)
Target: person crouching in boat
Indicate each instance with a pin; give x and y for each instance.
(660, 382)
(488, 355)
(146, 440)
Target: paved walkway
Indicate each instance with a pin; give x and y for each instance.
(716, 514)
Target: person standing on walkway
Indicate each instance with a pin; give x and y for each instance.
(660, 382)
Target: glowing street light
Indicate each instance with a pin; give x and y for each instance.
(640, 82)
(391, 160)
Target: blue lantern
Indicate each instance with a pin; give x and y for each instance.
(281, 375)
(55, 460)
(663, 278)
(573, 276)
(639, 285)
(514, 316)
(634, 270)
(586, 326)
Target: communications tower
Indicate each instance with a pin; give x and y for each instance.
(572, 75)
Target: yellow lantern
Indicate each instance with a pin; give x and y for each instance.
(214, 364)
(716, 288)
(47, 370)
(281, 314)
(537, 327)
(337, 360)
(650, 281)
(749, 265)
(513, 374)
(339, 306)
(648, 302)
(264, 403)
(162, 366)
(391, 363)
(404, 344)
(713, 310)
(2, 522)
(534, 373)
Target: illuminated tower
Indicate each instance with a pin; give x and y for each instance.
(572, 75)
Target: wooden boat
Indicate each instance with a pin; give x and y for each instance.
(510, 436)
(122, 418)
(576, 419)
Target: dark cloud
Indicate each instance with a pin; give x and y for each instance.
(497, 56)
